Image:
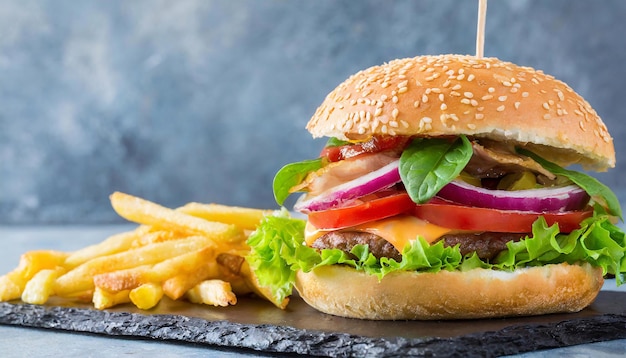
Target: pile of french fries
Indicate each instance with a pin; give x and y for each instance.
(196, 252)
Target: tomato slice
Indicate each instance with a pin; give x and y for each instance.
(370, 210)
(454, 216)
(373, 145)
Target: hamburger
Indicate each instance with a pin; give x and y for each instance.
(443, 193)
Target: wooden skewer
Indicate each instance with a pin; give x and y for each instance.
(480, 30)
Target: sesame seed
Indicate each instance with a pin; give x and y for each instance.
(468, 94)
(402, 90)
(471, 126)
(394, 99)
(405, 124)
(383, 97)
(517, 105)
(546, 116)
(507, 84)
(424, 98)
(502, 98)
(456, 87)
(524, 94)
(465, 101)
(491, 90)
(486, 97)
(474, 102)
(426, 120)
(416, 104)
(393, 124)
(446, 84)
(394, 113)
(378, 112)
(479, 116)
(403, 84)
(460, 77)
(455, 93)
(500, 109)
(384, 129)
(546, 106)
(353, 102)
(471, 77)
(443, 107)
(441, 97)
(428, 90)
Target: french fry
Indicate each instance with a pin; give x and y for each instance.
(102, 299)
(176, 286)
(13, 283)
(116, 281)
(230, 262)
(245, 218)
(212, 292)
(113, 244)
(81, 277)
(146, 296)
(39, 288)
(34, 261)
(157, 236)
(148, 213)
(10, 287)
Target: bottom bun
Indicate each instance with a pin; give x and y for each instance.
(478, 293)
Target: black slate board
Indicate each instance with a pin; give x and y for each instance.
(256, 325)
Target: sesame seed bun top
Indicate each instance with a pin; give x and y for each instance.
(479, 97)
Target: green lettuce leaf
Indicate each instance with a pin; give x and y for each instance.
(291, 175)
(278, 251)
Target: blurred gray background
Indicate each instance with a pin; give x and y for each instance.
(180, 101)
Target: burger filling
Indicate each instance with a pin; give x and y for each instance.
(430, 204)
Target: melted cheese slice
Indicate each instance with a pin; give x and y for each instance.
(398, 230)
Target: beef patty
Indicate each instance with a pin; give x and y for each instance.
(486, 244)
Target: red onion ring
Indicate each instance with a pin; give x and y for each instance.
(558, 199)
(379, 179)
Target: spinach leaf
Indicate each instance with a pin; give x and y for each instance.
(428, 164)
(591, 185)
(291, 175)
